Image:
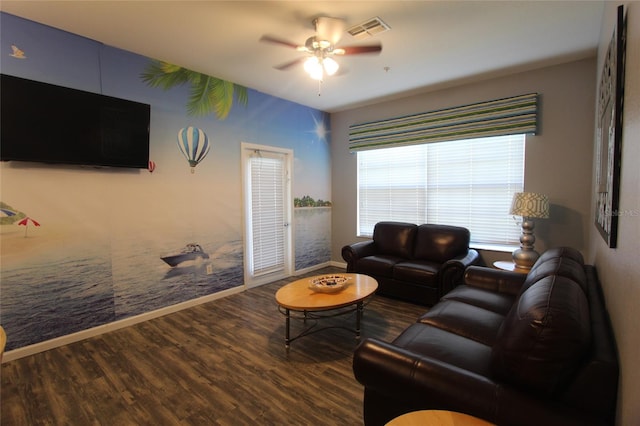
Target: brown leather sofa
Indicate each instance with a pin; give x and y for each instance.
(513, 349)
(418, 263)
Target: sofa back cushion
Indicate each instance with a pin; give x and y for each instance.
(564, 252)
(439, 243)
(395, 238)
(563, 261)
(560, 266)
(544, 336)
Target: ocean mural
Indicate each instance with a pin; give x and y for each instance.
(82, 246)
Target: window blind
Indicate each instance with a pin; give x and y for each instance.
(267, 207)
(467, 183)
(508, 116)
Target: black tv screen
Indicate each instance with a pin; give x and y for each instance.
(53, 124)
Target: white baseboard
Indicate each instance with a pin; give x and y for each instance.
(105, 328)
(342, 265)
(319, 266)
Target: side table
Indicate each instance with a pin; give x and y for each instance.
(507, 265)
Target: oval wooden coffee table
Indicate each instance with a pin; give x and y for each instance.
(299, 297)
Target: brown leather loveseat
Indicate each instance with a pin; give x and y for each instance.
(418, 263)
(510, 348)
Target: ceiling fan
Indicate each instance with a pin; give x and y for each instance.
(321, 47)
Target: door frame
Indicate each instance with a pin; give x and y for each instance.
(247, 149)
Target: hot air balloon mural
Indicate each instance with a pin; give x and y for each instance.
(194, 145)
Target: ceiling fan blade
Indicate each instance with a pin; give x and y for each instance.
(289, 64)
(341, 71)
(270, 39)
(357, 50)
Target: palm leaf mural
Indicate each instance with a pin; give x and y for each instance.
(11, 215)
(208, 94)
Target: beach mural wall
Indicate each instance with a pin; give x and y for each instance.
(84, 246)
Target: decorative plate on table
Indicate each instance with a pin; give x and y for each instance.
(328, 283)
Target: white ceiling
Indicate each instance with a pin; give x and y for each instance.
(431, 44)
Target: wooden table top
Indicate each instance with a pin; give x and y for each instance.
(299, 297)
(437, 418)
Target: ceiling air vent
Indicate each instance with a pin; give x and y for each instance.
(368, 28)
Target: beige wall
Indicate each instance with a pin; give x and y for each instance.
(619, 269)
(558, 159)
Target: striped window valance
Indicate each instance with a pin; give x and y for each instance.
(501, 117)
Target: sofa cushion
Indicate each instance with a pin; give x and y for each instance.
(493, 301)
(439, 243)
(377, 265)
(465, 320)
(446, 347)
(420, 272)
(395, 238)
(544, 335)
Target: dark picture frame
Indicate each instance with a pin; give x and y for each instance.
(609, 134)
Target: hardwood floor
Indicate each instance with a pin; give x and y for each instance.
(220, 363)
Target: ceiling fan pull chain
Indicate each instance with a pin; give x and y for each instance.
(319, 87)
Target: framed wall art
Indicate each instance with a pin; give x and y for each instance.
(609, 134)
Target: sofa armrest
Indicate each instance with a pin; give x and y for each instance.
(452, 271)
(404, 375)
(494, 279)
(352, 252)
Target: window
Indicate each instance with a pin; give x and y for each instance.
(466, 183)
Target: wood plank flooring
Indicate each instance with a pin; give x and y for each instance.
(220, 363)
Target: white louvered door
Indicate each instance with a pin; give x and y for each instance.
(268, 213)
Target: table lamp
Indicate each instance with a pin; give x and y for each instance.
(529, 205)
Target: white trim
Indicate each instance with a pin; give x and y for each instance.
(312, 268)
(493, 247)
(116, 325)
(342, 265)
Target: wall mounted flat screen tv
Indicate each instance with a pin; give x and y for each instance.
(41, 122)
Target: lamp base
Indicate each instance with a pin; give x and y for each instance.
(525, 258)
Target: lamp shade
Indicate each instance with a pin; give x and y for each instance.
(530, 204)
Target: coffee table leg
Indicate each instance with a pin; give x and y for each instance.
(286, 332)
(359, 310)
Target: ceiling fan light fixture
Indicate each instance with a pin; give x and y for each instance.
(313, 66)
(321, 48)
(324, 44)
(317, 74)
(330, 66)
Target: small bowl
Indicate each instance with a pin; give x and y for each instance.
(328, 283)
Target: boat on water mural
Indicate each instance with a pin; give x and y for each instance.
(190, 252)
(103, 250)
